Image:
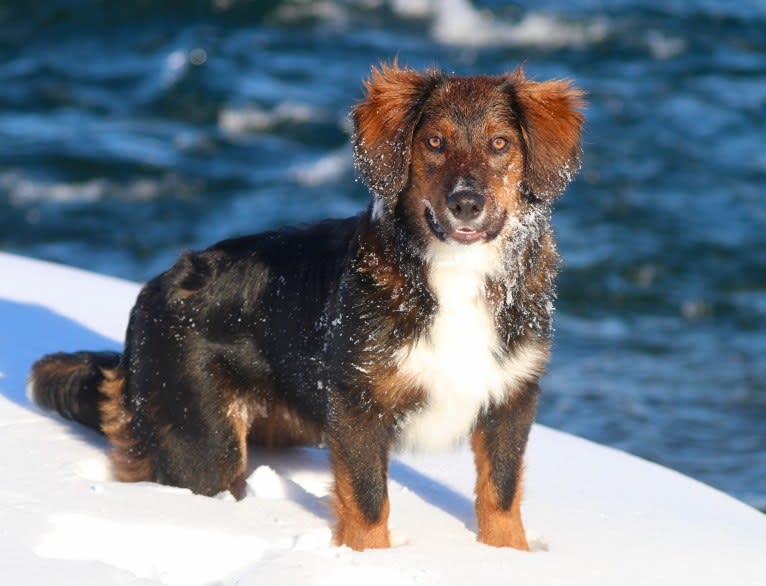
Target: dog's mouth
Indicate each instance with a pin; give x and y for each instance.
(463, 234)
(468, 235)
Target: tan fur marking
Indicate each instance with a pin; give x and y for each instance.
(129, 462)
(352, 528)
(497, 527)
(279, 426)
(395, 393)
(239, 414)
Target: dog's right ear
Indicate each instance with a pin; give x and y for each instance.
(384, 123)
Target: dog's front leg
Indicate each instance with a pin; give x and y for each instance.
(359, 450)
(498, 443)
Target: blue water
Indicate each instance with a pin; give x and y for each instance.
(130, 131)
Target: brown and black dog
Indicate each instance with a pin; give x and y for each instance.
(421, 322)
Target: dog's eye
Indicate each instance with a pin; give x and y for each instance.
(499, 144)
(435, 143)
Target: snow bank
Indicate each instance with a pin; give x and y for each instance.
(594, 515)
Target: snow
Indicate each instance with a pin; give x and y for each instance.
(593, 515)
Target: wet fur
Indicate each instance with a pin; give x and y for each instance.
(379, 330)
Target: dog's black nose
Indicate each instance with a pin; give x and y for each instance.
(466, 205)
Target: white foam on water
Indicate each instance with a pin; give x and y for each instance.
(254, 119)
(328, 12)
(24, 190)
(326, 169)
(663, 47)
(414, 8)
(458, 22)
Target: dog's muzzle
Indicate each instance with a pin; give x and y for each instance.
(466, 220)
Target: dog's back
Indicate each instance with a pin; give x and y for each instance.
(229, 338)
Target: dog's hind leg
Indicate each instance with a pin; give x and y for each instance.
(205, 450)
(197, 424)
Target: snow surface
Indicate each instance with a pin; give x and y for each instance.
(593, 515)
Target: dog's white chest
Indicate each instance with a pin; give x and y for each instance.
(458, 363)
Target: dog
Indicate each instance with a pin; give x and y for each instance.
(419, 323)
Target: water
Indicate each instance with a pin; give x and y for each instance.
(131, 131)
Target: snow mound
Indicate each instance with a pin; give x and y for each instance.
(594, 515)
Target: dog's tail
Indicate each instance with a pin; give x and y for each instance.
(89, 387)
(76, 385)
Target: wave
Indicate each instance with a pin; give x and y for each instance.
(254, 119)
(663, 47)
(326, 169)
(453, 22)
(458, 22)
(22, 190)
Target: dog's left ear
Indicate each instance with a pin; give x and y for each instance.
(551, 124)
(384, 123)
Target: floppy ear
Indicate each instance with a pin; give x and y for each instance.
(551, 125)
(384, 122)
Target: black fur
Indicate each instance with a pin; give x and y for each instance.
(506, 429)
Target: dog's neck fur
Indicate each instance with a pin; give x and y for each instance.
(515, 272)
(482, 343)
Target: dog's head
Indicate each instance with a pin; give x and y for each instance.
(460, 155)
